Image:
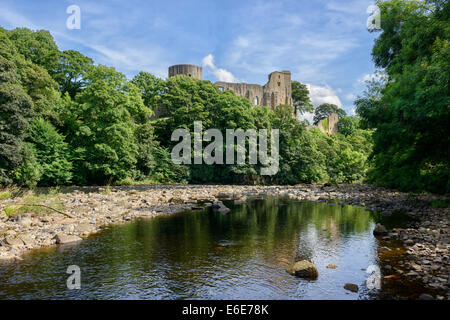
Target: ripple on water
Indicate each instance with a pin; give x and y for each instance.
(207, 255)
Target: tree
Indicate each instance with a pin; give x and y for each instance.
(348, 125)
(325, 110)
(52, 153)
(151, 88)
(410, 111)
(104, 121)
(71, 70)
(300, 99)
(15, 114)
(37, 47)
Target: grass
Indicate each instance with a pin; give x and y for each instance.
(107, 190)
(438, 203)
(131, 182)
(6, 194)
(32, 203)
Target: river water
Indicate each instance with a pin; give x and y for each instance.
(209, 255)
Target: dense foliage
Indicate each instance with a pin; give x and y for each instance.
(409, 104)
(64, 120)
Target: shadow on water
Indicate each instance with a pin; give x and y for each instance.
(208, 255)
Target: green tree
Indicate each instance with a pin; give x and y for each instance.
(325, 110)
(37, 47)
(104, 122)
(151, 88)
(52, 153)
(71, 71)
(300, 99)
(348, 125)
(410, 111)
(15, 114)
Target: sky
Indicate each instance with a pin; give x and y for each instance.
(324, 43)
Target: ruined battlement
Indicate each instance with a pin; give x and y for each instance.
(278, 90)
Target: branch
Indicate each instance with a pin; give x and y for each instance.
(42, 205)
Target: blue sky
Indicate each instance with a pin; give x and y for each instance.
(324, 43)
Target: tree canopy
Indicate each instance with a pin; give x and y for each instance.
(325, 110)
(410, 107)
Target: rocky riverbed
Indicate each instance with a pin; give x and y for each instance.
(421, 252)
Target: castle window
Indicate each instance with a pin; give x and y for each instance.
(221, 89)
(279, 83)
(190, 75)
(255, 101)
(272, 100)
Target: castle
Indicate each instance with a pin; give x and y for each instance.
(276, 91)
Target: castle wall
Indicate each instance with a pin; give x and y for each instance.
(278, 90)
(253, 92)
(189, 70)
(329, 125)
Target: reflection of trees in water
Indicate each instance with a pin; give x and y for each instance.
(187, 247)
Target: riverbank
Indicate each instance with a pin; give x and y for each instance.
(86, 210)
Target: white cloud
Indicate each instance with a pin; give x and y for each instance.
(350, 96)
(220, 74)
(325, 94)
(308, 116)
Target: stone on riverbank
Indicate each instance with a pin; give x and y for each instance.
(379, 230)
(62, 238)
(13, 241)
(304, 269)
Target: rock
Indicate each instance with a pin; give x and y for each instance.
(27, 239)
(409, 242)
(25, 221)
(224, 209)
(383, 249)
(217, 204)
(332, 266)
(240, 201)
(85, 227)
(176, 200)
(13, 241)
(425, 296)
(379, 230)
(351, 287)
(304, 269)
(62, 238)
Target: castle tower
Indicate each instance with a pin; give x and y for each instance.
(278, 89)
(189, 70)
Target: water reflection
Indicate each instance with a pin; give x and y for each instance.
(209, 255)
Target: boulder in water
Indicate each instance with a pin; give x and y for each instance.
(379, 230)
(304, 269)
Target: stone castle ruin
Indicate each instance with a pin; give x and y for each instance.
(329, 125)
(278, 90)
(189, 70)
